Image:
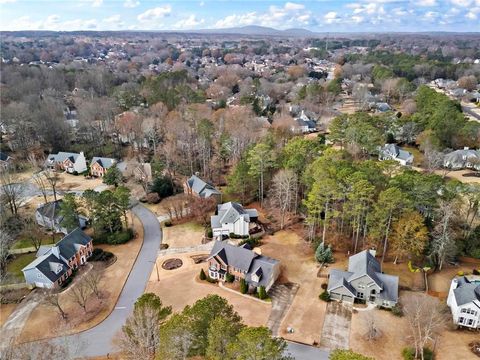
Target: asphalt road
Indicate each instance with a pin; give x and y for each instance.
(98, 341)
(305, 352)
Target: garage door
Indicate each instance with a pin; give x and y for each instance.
(347, 298)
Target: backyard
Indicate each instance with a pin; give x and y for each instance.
(183, 235)
(15, 266)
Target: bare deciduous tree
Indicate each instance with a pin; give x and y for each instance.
(12, 191)
(42, 184)
(373, 332)
(80, 292)
(426, 318)
(92, 280)
(52, 179)
(6, 242)
(32, 233)
(52, 298)
(283, 192)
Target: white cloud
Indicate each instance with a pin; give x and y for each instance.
(293, 6)
(461, 3)
(51, 22)
(93, 3)
(114, 20)
(331, 17)
(473, 13)
(237, 20)
(7, 1)
(155, 13)
(425, 2)
(202, 3)
(189, 22)
(131, 3)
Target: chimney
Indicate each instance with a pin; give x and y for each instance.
(257, 251)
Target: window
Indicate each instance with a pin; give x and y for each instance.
(461, 319)
(360, 295)
(463, 311)
(470, 322)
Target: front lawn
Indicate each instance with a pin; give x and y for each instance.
(22, 242)
(15, 266)
(183, 235)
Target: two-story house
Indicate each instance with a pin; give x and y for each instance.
(49, 216)
(66, 161)
(100, 165)
(54, 264)
(232, 218)
(242, 263)
(393, 152)
(364, 280)
(196, 186)
(464, 302)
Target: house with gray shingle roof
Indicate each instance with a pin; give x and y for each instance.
(67, 161)
(232, 218)
(100, 165)
(242, 263)
(462, 159)
(363, 280)
(196, 186)
(49, 216)
(393, 152)
(464, 301)
(56, 263)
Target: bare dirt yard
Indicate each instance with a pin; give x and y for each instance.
(181, 287)
(183, 235)
(5, 311)
(44, 322)
(306, 314)
(440, 281)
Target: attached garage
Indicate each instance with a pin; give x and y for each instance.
(347, 298)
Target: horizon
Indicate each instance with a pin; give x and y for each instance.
(346, 16)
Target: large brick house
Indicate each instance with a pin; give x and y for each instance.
(54, 264)
(66, 161)
(100, 165)
(242, 263)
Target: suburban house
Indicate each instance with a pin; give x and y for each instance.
(242, 263)
(100, 165)
(364, 280)
(48, 215)
(54, 264)
(464, 302)
(462, 159)
(232, 218)
(69, 162)
(196, 186)
(393, 152)
(5, 161)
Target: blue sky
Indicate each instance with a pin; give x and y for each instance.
(315, 15)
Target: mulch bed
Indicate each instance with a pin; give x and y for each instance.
(172, 264)
(197, 259)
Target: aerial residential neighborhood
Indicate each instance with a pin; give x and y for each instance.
(240, 180)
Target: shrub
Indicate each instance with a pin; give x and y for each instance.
(168, 223)
(210, 280)
(325, 296)
(164, 246)
(162, 185)
(460, 273)
(409, 354)
(339, 354)
(203, 276)
(117, 238)
(101, 255)
(243, 286)
(210, 233)
(262, 294)
(153, 198)
(476, 272)
(324, 286)
(397, 310)
(253, 242)
(229, 278)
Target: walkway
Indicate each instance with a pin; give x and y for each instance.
(98, 341)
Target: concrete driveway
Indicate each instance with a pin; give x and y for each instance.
(282, 297)
(336, 327)
(98, 341)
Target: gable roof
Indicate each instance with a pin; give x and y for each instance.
(230, 212)
(466, 291)
(238, 257)
(338, 279)
(69, 244)
(201, 187)
(47, 264)
(106, 163)
(395, 151)
(62, 156)
(50, 210)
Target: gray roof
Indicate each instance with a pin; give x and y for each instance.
(46, 265)
(246, 260)
(230, 212)
(466, 291)
(202, 188)
(50, 210)
(361, 264)
(61, 156)
(460, 158)
(392, 150)
(106, 163)
(68, 245)
(4, 156)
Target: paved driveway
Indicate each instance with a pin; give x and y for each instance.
(282, 297)
(98, 340)
(336, 327)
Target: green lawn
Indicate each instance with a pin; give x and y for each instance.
(417, 155)
(22, 242)
(15, 266)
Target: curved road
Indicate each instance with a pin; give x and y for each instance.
(98, 341)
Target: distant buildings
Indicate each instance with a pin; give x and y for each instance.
(462, 159)
(100, 165)
(464, 302)
(69, 162)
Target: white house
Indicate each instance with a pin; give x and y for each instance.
(393, 152)
(232, 218)
(462, 159)
(464, 302)
(49, 216)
